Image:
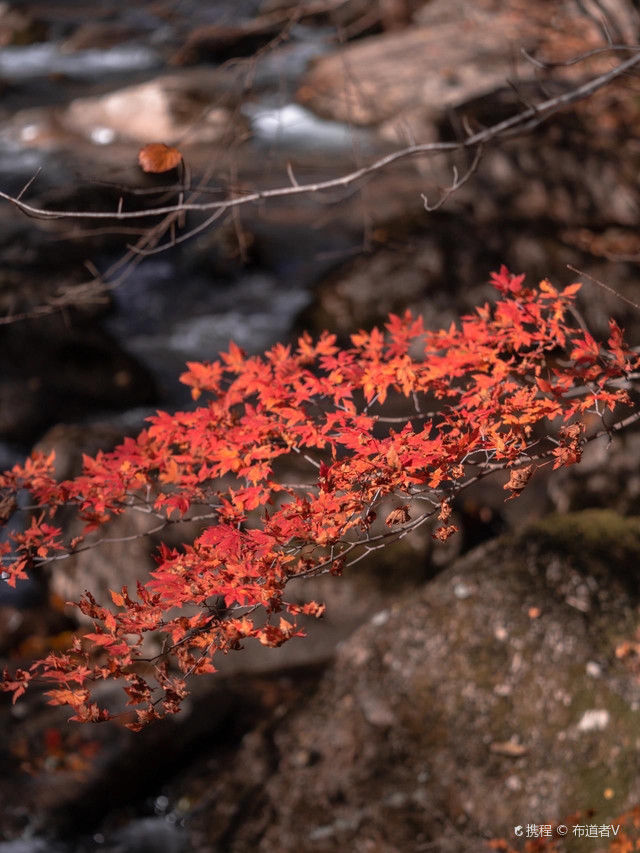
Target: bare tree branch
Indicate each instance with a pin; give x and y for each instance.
(504, 129)
(520, 123)
(575, 60)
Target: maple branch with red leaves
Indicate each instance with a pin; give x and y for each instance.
(515, 386)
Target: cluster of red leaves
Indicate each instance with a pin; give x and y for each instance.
(508, 390)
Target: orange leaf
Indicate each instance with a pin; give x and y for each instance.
(546, 287)
(571, 289)
(117, 598)
(392, 457)
(158, 157)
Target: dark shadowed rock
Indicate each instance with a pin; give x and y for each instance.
(108, 769)
(56, 370)
(19, 27)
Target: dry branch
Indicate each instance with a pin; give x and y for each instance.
(522, 122)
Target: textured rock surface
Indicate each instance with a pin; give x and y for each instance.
(491, 698)
(456, 52)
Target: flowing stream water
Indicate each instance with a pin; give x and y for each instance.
(169, 310)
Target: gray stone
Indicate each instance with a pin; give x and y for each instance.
(461, 717)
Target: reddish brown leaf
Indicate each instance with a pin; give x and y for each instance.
(518, 479)
(399, 515)
(158, 157)
(441, 534)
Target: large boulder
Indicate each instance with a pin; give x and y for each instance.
(492, 698)
(455, 52)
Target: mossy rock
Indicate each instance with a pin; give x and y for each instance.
(491, 697)
(596, 542)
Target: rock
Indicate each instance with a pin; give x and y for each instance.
(606, 477)
(448, 60)
(54, 371)
(431, 261)
(19, 27)
(166, 109)
(449, 720)
(353, 18)
(126, 558)
(90, 785)
(512, 211)
(404, 82)
(100, 135)
(357, 295)
(70, 442)
(116, 563)
(390, 73)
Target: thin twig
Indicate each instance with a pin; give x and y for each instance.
(604, 286)
(29, 183)
(457, 183)
(575, 60)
